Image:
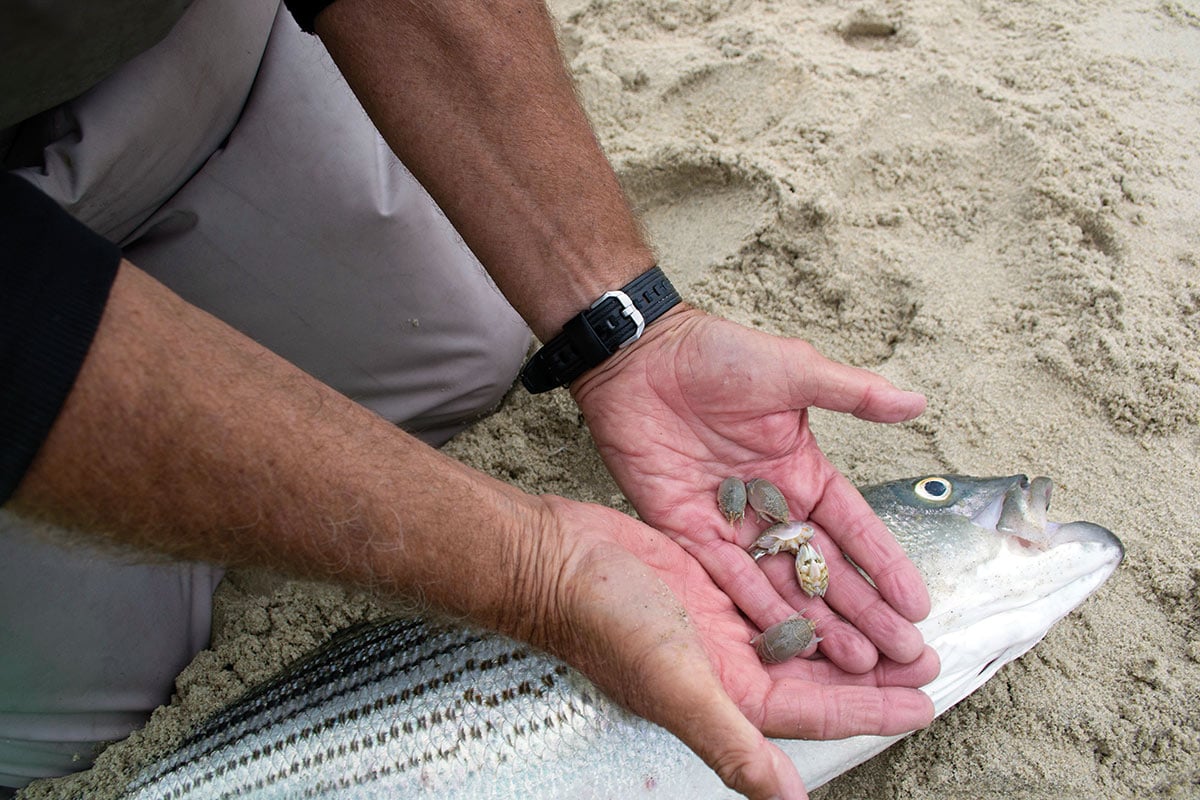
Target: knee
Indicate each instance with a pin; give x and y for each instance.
(487, 376)
(491, 349)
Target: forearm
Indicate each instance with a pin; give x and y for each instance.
(182, 436)
(475, 100)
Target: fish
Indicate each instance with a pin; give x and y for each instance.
(411, 707)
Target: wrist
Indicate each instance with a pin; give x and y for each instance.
(645, 354)
(613, 322)
(497, 563)
(532, 568)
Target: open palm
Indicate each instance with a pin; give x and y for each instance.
(704, 399)
(676, 650)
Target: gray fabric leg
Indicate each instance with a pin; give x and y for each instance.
(114, 155)
(89, 645)
(307, 234)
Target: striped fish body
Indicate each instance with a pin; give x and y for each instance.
(402, 707)
(406, 708)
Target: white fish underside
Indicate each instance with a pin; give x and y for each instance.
(404, 707)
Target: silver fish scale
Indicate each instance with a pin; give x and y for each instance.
(332, 725)
(407, 708)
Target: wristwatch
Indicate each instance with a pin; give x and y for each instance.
(615, 320)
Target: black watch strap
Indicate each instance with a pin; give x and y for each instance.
(615, 320)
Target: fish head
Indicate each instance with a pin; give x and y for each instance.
(999, 573)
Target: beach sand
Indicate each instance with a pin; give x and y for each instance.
(995, 203)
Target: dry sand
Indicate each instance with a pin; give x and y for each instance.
(996, 203)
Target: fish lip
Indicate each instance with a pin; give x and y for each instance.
(1020, 512)
(1023, 510)
(1015, 489)
(1079, 532)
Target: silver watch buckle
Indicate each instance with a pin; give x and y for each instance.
(628, 309)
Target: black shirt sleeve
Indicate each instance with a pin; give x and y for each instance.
(55, 276)
(305, 12)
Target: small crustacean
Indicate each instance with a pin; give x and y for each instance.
(783, 537)
(811, 570)
(785, 640)
(731, 497)
(767, 500)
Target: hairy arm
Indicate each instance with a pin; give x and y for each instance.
(185, 437)
(476, 101)
(182, 436)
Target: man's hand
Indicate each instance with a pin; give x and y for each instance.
(647, 624)
(703, 399)
(184, 437)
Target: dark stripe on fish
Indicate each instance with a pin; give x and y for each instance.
(350, 662)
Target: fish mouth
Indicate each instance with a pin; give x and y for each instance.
(1020, 512)
(1002, 607)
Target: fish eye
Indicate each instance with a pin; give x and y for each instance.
(933, 489)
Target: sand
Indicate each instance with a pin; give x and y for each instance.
(995, 203)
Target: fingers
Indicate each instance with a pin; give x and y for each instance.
(867, 622)
(863, 626)
(852, 644)
(818, 381)
(841, 642)
(739, 576)
(767, 592)
(849, 656)
(741, 755)
(913, 675)
(798, 709)
(862, 536)
(866, 610)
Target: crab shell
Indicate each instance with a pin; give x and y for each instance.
(731, 498)
(785, 640)
(767, 500)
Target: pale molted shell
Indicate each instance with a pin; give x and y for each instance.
(782, 537)
(785, 640)
(731, 497)
(767, 500)
(811, 570)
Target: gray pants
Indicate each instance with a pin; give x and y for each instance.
(233, 164)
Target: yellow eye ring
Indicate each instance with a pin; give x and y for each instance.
(934, 489)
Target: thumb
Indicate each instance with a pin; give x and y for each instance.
(758, 770)
(814, 380)
(708, 722)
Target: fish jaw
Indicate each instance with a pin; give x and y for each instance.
(1057, 572)
(988, 612)
(1024, 575)
(1012, 603)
